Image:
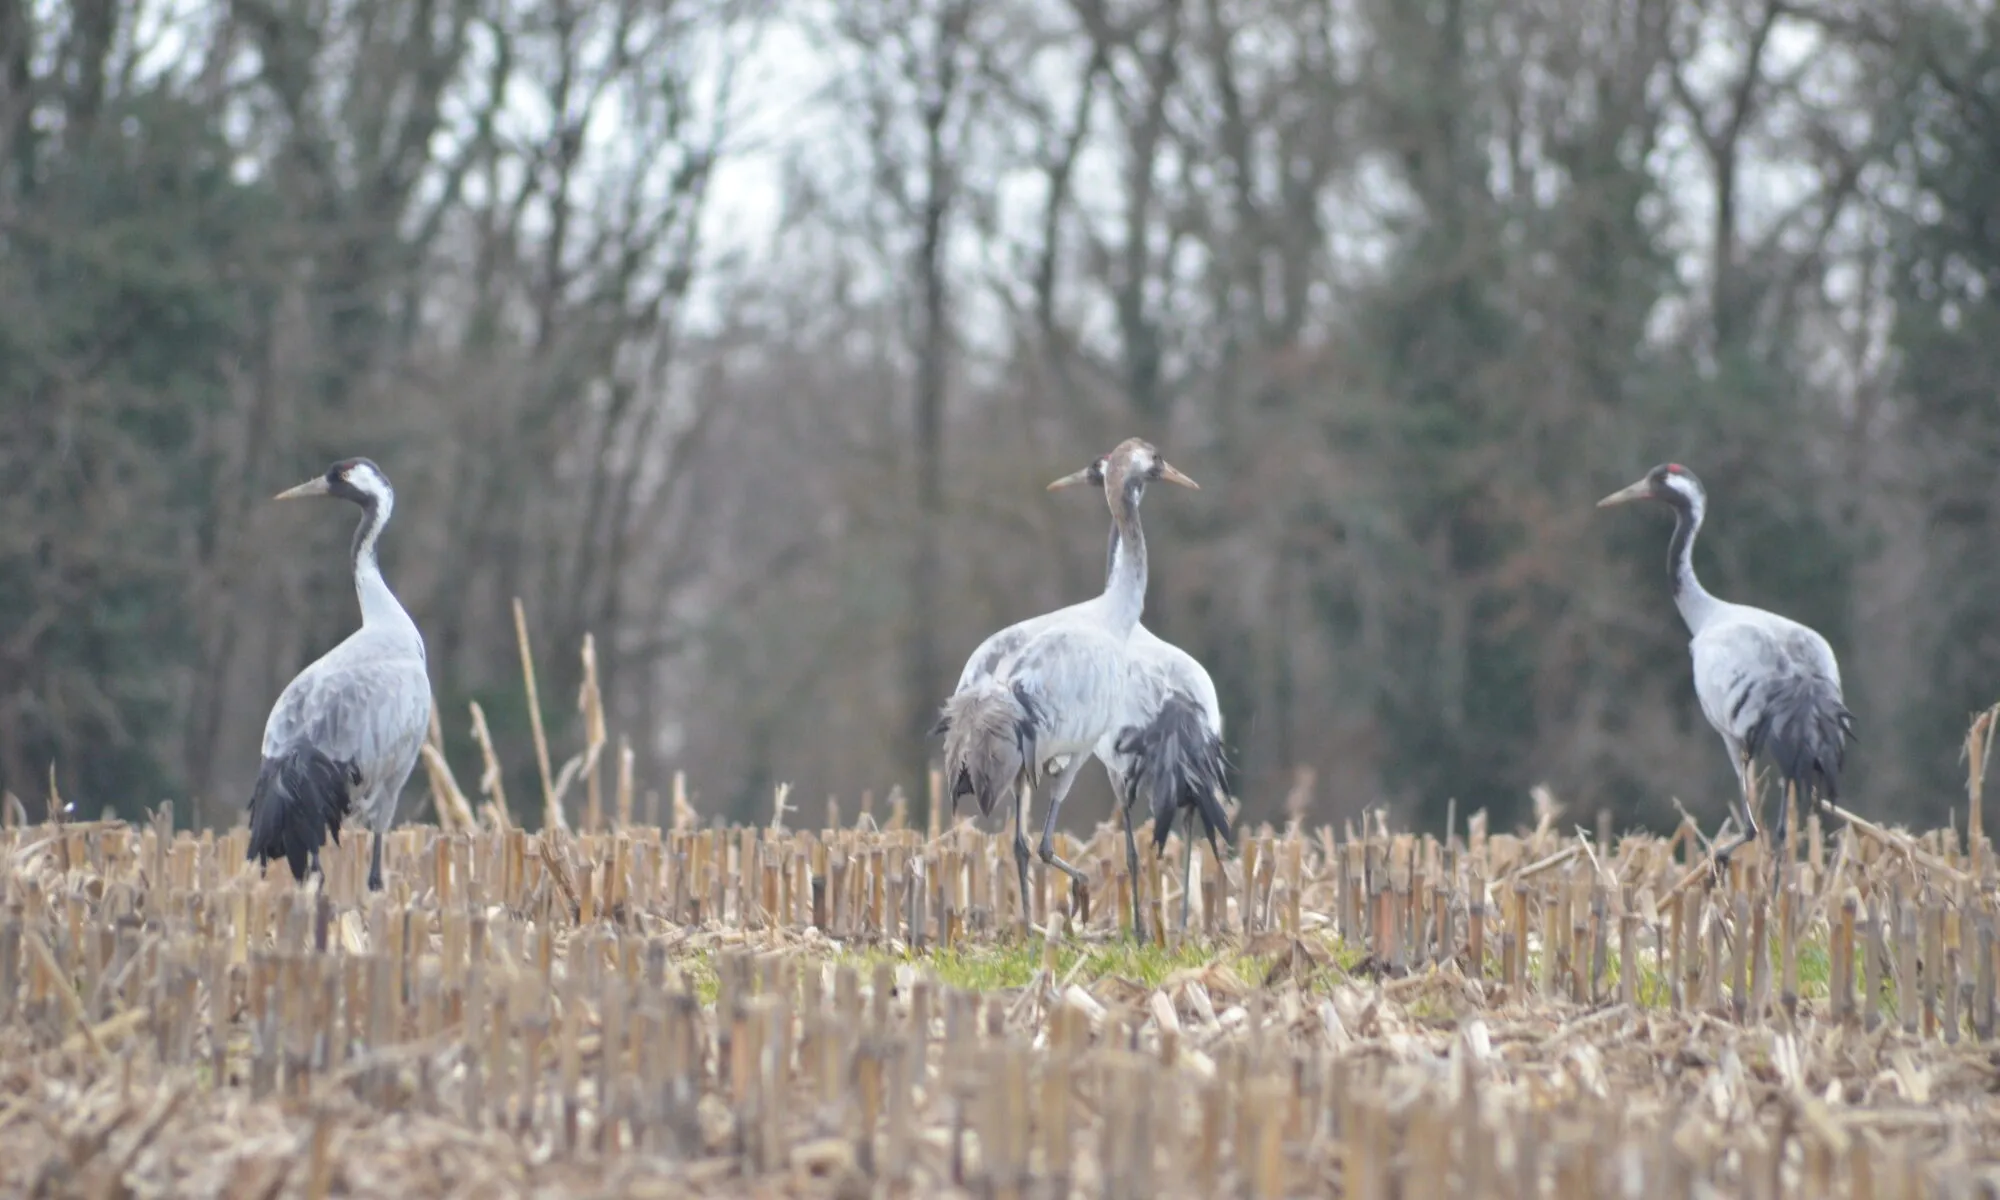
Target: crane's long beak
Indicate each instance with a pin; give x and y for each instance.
(1168, 473)
(1642, 490)
(1070, 480)
(316, 486)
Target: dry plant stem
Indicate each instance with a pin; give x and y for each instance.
(590, 702)
(492, 781)
(1901, 843)
(1978, 752)
(552, 816)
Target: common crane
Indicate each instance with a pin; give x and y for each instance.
(1764, 681)
(345, 732)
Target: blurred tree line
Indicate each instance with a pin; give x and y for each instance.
(743, 335)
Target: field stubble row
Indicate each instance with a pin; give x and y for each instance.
(757, 1010)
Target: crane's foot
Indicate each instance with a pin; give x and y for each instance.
(1720, 856)
(1187, 867)
(1049, 856)
(1132, 873)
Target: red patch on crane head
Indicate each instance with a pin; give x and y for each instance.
(1676, 469)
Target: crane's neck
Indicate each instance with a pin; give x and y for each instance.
(379, 606)
(1696, 605)
(1125, 565)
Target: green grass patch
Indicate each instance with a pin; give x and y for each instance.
(698, 968)
(1005, 966)
(1815, 972)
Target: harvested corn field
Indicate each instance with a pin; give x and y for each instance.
(857, 1012)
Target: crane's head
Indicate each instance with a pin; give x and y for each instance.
(1669, 483)
(1133, 462)
(353, 479)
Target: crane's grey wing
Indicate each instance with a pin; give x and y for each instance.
(1160, 668)
(1738, 663)
(1814, 648)
(1767, 681)
(1169, 736)
(991, 656)
(1155, 670)
(373, 714)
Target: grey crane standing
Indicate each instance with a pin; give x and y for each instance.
(1764, 681)
(346, 730)
(1036, 697)
(1166, 743)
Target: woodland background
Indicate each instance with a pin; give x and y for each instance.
(744, 336)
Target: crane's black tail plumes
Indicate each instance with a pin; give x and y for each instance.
(1180, 765)
(1806, 728)
(989, 738)
(300, 798)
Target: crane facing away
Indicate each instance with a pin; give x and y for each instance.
(1167, 741)
(1036, 697)
(1764, 681)
(346, 730)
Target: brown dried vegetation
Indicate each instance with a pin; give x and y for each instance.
(760, 1011)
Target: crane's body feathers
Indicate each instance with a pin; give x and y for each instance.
(366, 702)
(1168, 749)
(299, 801)
(1168, 745)
(1004, 644)
(1768, 683)
(989, 740)
(1051, 699)
(1175, 762)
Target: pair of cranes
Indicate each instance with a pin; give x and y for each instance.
(1033, 701)
(1039, 698)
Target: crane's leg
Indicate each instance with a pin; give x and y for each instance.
(1021, 849)
(1187, 867)
(1746, 809)
(1131, 793)
(1057, 792)
(1780, 839)
(1221, 876)
(375, 862)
